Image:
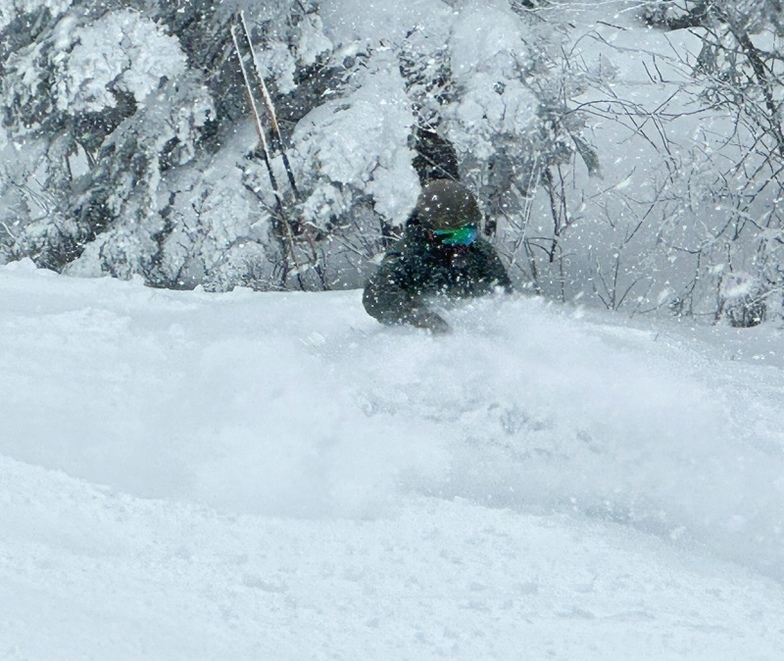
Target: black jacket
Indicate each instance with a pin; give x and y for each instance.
(417, 267)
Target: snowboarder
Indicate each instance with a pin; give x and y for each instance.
(440, 253)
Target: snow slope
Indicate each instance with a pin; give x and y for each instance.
(274, 476)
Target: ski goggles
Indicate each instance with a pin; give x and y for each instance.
(462, 236)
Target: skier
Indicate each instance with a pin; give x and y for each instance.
(440, 253)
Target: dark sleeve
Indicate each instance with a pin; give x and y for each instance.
(385, 297)
(390, 297)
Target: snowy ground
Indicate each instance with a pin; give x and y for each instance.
(274, 476)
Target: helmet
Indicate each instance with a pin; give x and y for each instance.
(447, 205)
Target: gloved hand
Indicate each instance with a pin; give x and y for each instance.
(429, 320)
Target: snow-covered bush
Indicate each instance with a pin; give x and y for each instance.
(122, 52)
(99, 106)
(742, 299)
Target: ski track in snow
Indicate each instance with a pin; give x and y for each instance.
(196, 476)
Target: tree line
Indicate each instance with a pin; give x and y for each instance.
(632, 161)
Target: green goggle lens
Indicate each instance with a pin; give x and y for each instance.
(462, 236)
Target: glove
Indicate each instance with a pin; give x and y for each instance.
(429, 320)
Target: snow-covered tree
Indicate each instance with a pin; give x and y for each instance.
(102, 106)
(98, 105)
